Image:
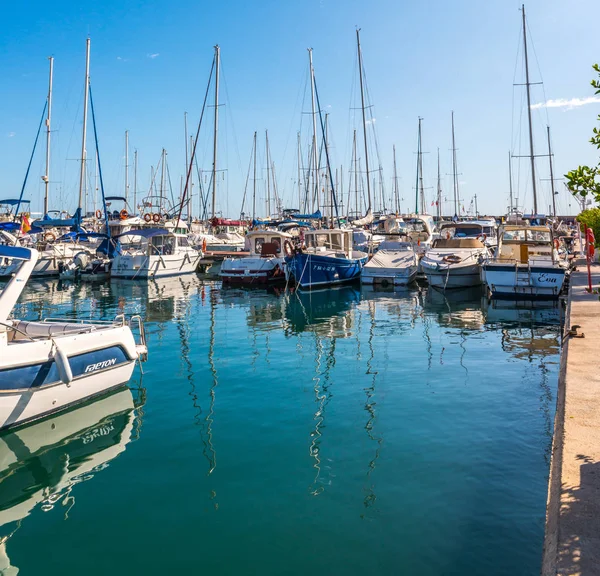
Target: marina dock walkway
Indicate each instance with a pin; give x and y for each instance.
(572, 541)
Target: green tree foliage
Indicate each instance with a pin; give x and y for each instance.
(591, 218)
(585, 180)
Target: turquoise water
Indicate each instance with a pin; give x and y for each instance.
(338, 432)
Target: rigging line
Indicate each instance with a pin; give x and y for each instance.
(532, 44)
(229, 115)
(31, 158)
(246, 186)
(189, 171)
(518, 52)
(171, 190)
(98, 160)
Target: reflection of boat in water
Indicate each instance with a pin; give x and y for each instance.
(40, 464)
(527, 311)
(456, 308)
(326, 311)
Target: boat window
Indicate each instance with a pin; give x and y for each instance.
(163, 245)
(277, 242)
(538, 235)
(336, 242)
(416, 226)
(183, 241)
(514, 236)
(258, 242)
(322, 239)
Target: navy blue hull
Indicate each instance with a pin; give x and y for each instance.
(315, 270)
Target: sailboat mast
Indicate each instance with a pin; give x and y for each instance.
(362, 100)
(126, 165)
(314, 142)
(162, 178)
(214, 174)
(327, 192)
(48, 118)
(85, 114)
(527, 85)
(268, 178)
(254, 186)
(418, 165)
(510, 187)
(421, 188)
(299, 174)
(551, 175)
(135, 167)
(357, 205)
(455, 172)
(396, 196)
(439, 187)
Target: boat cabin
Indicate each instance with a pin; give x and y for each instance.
(266, 242)
(525, 244)
(468, 229)
(323, 240)
(152, 241)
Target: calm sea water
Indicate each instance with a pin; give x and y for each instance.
(339, 432)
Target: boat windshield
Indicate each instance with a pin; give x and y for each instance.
(524, 235)
(470, 231)
(162, 245)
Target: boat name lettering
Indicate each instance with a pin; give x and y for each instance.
(97, 433)
(100, 365)
(326, 268)
(543, 277)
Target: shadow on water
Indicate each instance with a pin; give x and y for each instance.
(42, 463)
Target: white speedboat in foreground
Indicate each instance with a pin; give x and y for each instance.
(395, 263)
(454, 262)
(48, 366)
(526, 264)
(154, 253)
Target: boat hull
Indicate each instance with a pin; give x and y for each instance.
(543, 282)
(453, 276)
(139, 267)
(389, 276)
(253, 271)
(315, 270)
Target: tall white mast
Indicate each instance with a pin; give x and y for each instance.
(214, 174)
(362, 100)
(135, 167)
(314, 142)
(397, 197)
(528, 84)
(126, 165)
(455, 173)
(46, 177)
(85, 114)
(299, 175)
(268, 178)
(439, 187)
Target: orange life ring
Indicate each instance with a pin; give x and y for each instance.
(123, 214)
(147, 217)
(98, 214)
(482, 237)
(204, 245)
(156, 217)
(49, 237)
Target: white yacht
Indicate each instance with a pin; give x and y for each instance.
(526, 264)
(454, 262)
(266, 262)
(51, 365)
(154, 253)
(395, 263)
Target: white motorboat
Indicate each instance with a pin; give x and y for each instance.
(484, 229)
(51, 365)
(154, 253)
(526, 264)
(454, 262)
(395, 263)
(266, 262)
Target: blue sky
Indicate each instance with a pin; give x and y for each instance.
(150, 62)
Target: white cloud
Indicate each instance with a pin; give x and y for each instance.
(11, 134)
(567, 104)
(372, 121)
(153, 56)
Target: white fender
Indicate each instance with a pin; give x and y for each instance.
(62, 364)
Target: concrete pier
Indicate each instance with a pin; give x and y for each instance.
(572, 540)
